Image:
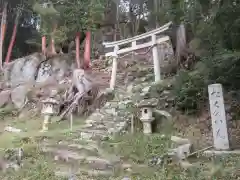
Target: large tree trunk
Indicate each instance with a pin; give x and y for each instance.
(13, 38)
(3, 30)
(87, 50)
(44, 45)
(53, 49)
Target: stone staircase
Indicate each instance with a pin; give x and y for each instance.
(80, 157)
(83, 156)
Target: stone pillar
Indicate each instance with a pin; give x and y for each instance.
(46, 121)
(218, 116)
(156, 62)
(114, 69)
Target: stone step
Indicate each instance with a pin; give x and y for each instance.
(97, 163)
(79, 148)
(88, 142)
(101, 114)
(83, 172)
(97, 172)
(97, 126)
(80, 159)
(94, 131)
(64, 154)
(106, 127)
(90, 145)
(87, 134)
(106, 120)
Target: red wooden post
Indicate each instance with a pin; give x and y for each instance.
(13, 38)
(4, 22)
(77, 40)
(3, 30)
(87, 50)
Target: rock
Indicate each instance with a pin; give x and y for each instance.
(4, 97)
(98, 163)
(96, 172)
(23, 70)
(35, 68)
(90, 121)
(72, 177)
(146, 89)
(179, 141)
(130, 88)
(137, 88)
(143, 79)
(111, 111)
(126, 178)
(19, 96)
(61, 174)
(2, 86)
(126, 166)
(111, 130)
(185, 164)
(155, 161)
(12, 129)
(64, 155)
(182, 151)
(10, 165)
(44, 72)
(87, 136)
(164, 113)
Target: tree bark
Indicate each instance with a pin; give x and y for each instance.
(87, 50)
(10, 47)
(44, 45)
(3, 30)
(53, 49)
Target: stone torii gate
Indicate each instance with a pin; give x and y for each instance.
(155, 40)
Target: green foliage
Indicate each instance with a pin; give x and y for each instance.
(48, 11)
(224, 68)
(70, 16)
(215, 27)
(49, 16)
(191, 87)
(140, 148)
(190, 91)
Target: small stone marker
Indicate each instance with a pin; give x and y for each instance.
(218, 116)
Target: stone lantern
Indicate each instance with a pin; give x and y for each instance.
(50, 108)
(146, 106)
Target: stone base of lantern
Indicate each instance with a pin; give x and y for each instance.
(147, 125)
(46, 123)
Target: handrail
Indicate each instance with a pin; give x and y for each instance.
(136, 38)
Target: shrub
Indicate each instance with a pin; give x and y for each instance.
(224, 68)
(190, 91)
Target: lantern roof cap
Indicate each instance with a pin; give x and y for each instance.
(50, 101)
(147, 103)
